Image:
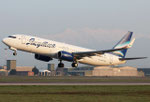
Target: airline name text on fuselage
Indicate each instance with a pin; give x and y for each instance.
(40, 44)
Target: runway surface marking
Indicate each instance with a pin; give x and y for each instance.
(125, 83)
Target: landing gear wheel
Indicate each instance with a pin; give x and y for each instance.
(74, 64)
(60, 65)
(14, 53)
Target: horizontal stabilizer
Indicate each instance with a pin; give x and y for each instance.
(134, 58)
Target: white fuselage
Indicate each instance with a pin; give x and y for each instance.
(51, 48)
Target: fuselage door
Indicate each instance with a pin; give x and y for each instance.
(111, 59)
(25, 46)
(23, 39)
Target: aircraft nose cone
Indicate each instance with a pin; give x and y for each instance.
(4, 40)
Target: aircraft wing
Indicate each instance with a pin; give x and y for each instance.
(79, 55)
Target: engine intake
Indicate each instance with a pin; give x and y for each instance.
(42, 58)
(63, 55)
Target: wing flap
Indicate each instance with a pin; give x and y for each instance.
(79, 55)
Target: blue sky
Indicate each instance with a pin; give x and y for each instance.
(96, 24)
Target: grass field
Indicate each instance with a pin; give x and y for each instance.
(74, 93)
(38, 79)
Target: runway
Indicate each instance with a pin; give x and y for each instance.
(61, 84)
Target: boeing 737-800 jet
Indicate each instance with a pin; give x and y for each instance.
(46, 50)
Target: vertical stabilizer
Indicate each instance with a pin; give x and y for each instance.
(125, 42)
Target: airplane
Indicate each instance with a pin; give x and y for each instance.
(47, 50)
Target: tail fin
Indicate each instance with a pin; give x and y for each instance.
(126, 43)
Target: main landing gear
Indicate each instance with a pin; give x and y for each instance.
(74, 64)
(60, 64)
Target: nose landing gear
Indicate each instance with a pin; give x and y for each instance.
(15, 53)
(13, 49)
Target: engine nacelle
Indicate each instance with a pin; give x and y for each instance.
(63, 55)
(43, 58)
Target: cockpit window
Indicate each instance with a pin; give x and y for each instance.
(12, 37)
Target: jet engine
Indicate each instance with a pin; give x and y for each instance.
(63, 55)
(42, 58)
